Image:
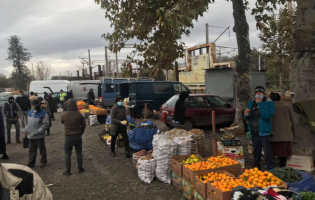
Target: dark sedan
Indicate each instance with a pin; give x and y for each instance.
(199, 109)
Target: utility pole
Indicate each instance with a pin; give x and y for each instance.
(290, 7)
(91, 76)
(106, 60)
(259, 66)
(207, 34)
(116, 63)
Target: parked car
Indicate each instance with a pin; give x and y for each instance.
(199, 109)
(3, 99)
(152, 93)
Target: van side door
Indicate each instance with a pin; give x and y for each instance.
(161, 93)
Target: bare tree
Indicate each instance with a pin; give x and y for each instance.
(42, 70)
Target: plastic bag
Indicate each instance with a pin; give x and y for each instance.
(93, 120)
(146, 170)
(166, 150)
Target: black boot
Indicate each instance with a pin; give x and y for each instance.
(112, 153)
(128, 154)
(5, 156)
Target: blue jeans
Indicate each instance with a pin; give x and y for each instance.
(259, 143)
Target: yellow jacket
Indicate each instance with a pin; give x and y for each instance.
(62, 96)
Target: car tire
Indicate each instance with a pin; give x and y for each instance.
(168, 125)
(189, 124)
(149, 112)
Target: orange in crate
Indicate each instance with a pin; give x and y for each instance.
(213, 176)
(229, 184)
(201, 166)
(261, 179)
(222, 161)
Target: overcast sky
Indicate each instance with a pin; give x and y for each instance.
(59, 32)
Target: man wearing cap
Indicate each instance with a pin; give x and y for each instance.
(62, 97)
(11, 112)
(259, 112)
(38, 123)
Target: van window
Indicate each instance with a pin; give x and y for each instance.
(178, 88)
(109, 88)
(143, 88)
(161, 88)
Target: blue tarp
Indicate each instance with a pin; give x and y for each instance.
(306, 184)
(141, 138)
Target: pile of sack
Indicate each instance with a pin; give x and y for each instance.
(165, 146)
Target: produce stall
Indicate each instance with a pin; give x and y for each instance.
(176, 160)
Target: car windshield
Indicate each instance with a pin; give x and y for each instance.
(172, 101)
(55, 95)
(3, 98)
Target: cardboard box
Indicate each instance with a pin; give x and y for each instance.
(177, 181)
(201, 187)
(242, 163)
(189, 175)
(236, 130)
(99, 112)
(232, 169)
(177, 167)
(234, 152)
(188, 190)
(216, 194)
(300, 162)
(197, 196)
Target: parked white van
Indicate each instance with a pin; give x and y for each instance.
(54, 85)
(81, 88)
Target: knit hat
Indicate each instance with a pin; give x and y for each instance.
(260, 89)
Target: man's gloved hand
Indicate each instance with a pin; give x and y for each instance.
(124, 123)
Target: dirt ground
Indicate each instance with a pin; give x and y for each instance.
(105, 177)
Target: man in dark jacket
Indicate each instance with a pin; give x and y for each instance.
(38, 123)
(2, 138)
(25, 105)
(91, 97)
(11, 112)
(179, 119)
(70, 95)
(259, 112)
(74, 126)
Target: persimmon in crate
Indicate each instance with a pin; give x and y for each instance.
(262, 179)
(228, 184)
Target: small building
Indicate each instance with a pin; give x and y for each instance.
(221, 82)
(198, 58)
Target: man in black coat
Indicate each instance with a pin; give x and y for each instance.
(25, 105)
(179, 118)
(91, 97)
(70, 95)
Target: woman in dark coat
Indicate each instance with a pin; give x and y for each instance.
(118, 126)
(2, 138)
(52, 106)
(283, 130)
(179, 118)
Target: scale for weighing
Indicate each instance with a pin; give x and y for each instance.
(231, 142)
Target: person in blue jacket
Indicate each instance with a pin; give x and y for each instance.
(258, 114)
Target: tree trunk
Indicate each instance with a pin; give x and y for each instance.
(242, 77)
(303, 72)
